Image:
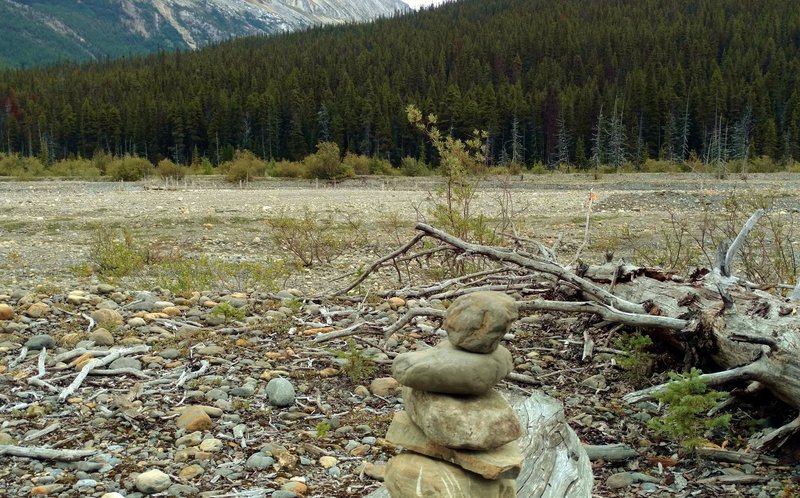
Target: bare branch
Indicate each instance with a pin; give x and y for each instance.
(503, 255)
(411, 314)
(740, 238)
(608, 313)
(377, 264)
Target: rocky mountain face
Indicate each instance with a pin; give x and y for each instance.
(46, 31)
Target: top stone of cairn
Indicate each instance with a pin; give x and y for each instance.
(478, 321)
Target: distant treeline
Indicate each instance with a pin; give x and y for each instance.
(575, 81)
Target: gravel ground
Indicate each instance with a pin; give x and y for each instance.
(130, 421)
(46, 227)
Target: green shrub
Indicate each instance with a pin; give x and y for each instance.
(182, 276)
(357, 365)
(289, 169)
(659, 166)
(101, 160)
(114, 254)
(20, 166)
(326, 163)
(378, 166)
(166, 169)
(538, 168)
(202, 167)
(688, 399)
(636, 361)
(244, 167)
(760, 164)
(229, 312)
(129, 169)
(411, 166)
(360, 165)
(313, 238)
(81, 168)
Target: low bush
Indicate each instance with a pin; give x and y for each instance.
(314, 238)
(659, 166)
(166, 169)
(411, 166)
(326, 163)
(129, 169)
(358, 163)
(20, 166)
(80, 168)
(688, 399)
(244, 167)
(288, 169)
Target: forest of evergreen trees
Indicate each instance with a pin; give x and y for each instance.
(575, 81)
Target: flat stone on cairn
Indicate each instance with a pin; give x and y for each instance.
(478, 423)
(412, 475)
(460, 434)
(450, 370)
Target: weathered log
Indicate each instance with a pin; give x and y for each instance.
(611, 452)
(752, 335)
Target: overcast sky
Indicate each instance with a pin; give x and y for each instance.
(415, 4)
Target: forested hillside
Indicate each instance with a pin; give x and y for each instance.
(551, 81)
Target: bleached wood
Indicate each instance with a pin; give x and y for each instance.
(97, 363)
(507, 256)
(45, 453)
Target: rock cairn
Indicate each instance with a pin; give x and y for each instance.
(461, 435)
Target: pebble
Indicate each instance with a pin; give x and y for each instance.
(280, 392)
(102, 337)
(40, 341)
(259, 461)
(211, 445)
(153, 481)
(6, 312)
(37, 310)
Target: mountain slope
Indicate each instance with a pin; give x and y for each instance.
(45, 31)
(573, 80)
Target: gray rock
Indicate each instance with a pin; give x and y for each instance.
(448, 369)
(126, 362)
(259, 461)
(169, 354)
(595, 382)
(244, 391)
(626, 479)
(215, 394)
(182, 490)
(40, 341)
(478, 321)
(283, 493)
(280, 392)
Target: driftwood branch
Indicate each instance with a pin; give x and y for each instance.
(607, 313)
(377, 264)
(97, 363)
(727, 266)
(506, 256)
(45, 453)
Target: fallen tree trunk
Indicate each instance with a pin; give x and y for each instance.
(751, 334)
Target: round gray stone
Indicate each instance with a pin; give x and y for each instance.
(40, 341)
(280, 392)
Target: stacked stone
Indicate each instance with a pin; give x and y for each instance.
(461, 435)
